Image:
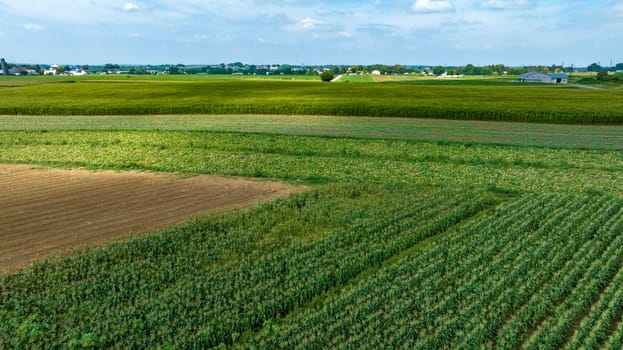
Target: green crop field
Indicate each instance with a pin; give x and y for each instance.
(539, 135)
(414, 234)
(356, 79)
(469, 100)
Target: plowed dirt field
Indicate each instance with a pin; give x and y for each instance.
(48, 211)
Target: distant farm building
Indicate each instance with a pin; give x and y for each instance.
(535, 77)
(52, 70)
(376, 72)
(78, 72)
(4, 67)
(21, 71)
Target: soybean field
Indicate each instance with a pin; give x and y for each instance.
(409, 233)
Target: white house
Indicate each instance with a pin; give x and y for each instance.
(445, 75)
(536, 77)
(376, 72)
(51, 70)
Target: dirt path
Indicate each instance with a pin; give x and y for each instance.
(47, 211)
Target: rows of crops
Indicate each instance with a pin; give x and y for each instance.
(399, 243)
(546, 135)
(218, 278)
(447, 101)
(541, 272)
(321, 159)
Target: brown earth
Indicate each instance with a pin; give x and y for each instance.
(48, 211)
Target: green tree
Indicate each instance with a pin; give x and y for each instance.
(174, 70)
(486, 70)
(619, 66)
(327, 76)
(468, 69)
(398, 69)
(603, 75)
(438, 70)
(594, 67)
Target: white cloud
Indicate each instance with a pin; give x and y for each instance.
(130, 6)
(84, 13)
(618, 8)
(33, 27)
(306, 24)
(201, 36)
(265, 41)
(344, 35)
(432, 6)
(505, 4)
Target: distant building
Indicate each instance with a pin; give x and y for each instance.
(445, 75)
(4, 67)
(52, 70)
(536, 77)
(78, 72)
(21, 71)
(376, 72)
(559, 78)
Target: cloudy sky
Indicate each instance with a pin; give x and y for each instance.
(431, 32)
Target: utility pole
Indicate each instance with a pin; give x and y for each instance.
(5, 68)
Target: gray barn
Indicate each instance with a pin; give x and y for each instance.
(536, 77)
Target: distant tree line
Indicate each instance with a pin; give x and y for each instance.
(286, 69)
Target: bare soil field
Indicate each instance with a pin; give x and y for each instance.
(48, 211)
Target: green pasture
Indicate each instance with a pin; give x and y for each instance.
(414, 234)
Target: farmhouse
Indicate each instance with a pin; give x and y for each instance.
(535, 77)
(376, 72)
(52, 70)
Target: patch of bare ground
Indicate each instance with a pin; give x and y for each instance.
(44, 212)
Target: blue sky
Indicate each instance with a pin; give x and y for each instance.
(447, 32)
